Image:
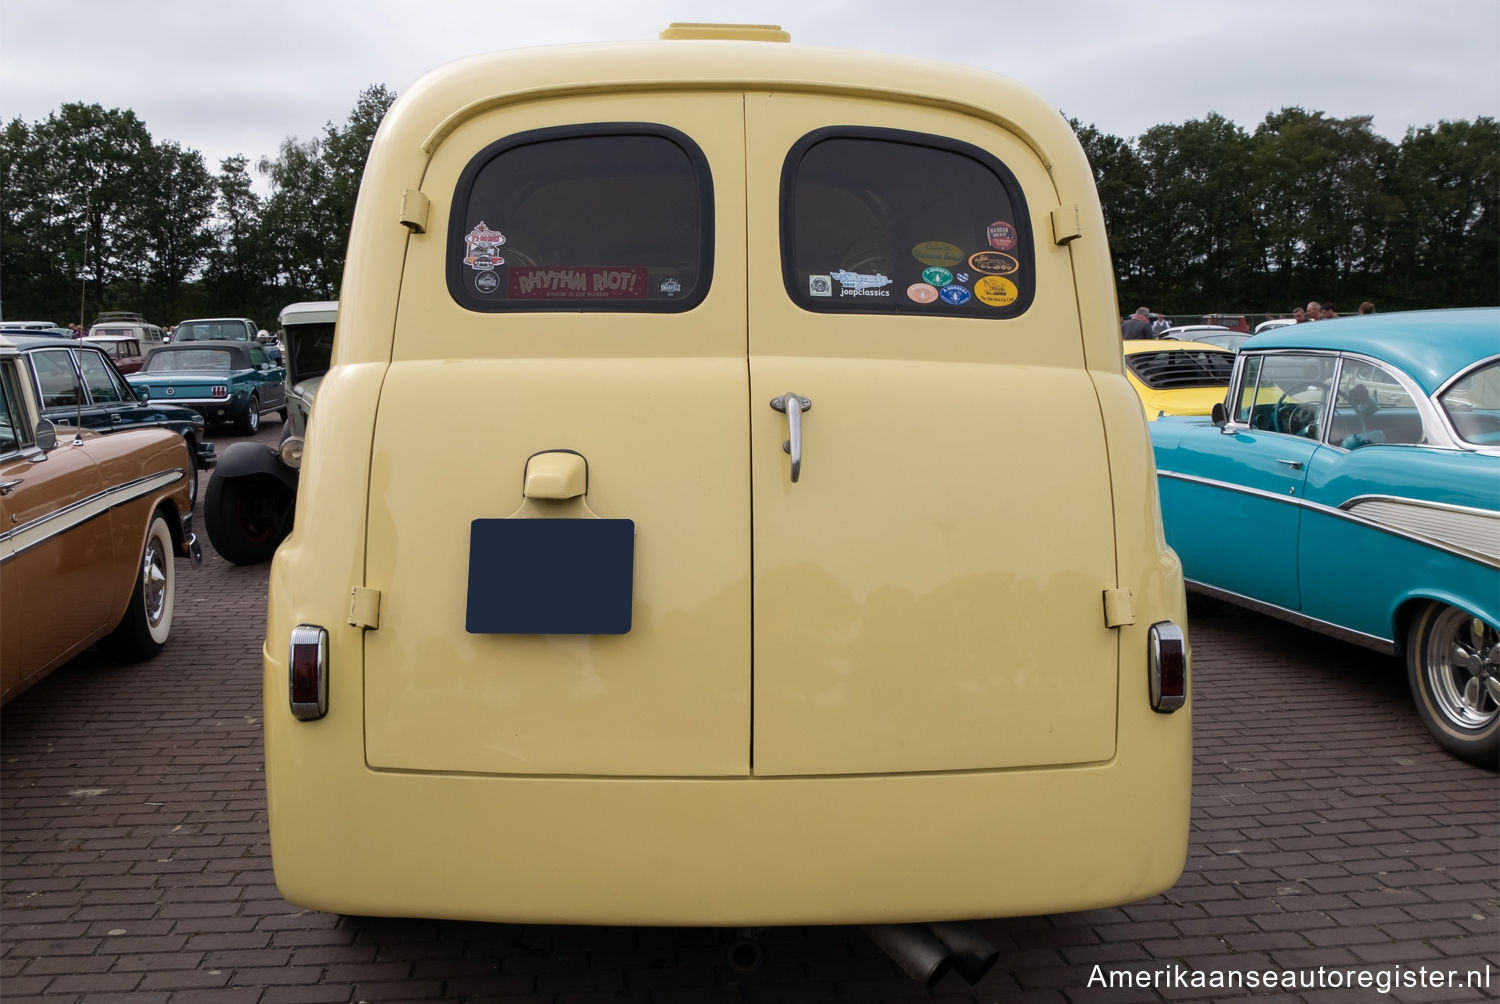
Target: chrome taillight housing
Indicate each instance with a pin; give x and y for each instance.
(1166, 666)
(308, 672)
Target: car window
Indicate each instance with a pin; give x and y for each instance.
(99, 377)
(1180, 368)
(210, 331)
(56, 379)
(1472, 404)
(885, 221)
(1372, 407)
(183, 360)
(258, 357)
(1286, 392)
(604, 217)
(14, 433)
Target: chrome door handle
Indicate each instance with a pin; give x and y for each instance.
(6, 486)
(793, 445)
(1295, 465)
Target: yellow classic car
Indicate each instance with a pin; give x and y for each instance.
(89, 527)
(798, 559)
(1176, 377)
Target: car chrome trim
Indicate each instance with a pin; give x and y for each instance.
(33, 534)
(1461, 531)
(1385, 646)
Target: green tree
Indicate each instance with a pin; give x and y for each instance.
(176, 227)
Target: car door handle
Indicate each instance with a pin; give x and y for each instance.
(1295, 465)
(6, 486)
(793, 405)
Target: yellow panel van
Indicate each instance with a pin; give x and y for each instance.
(726, 506)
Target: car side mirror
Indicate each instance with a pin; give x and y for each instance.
(46, 435)
(1219, 415)
(142, 394)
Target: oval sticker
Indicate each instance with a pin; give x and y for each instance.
(955, 295)
(937, 276)
(993, 263)
(995, 291)
(921, 292)
(1002, 235)
(938, 253)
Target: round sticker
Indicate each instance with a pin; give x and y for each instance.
(1002, 235)
(955, 295)
(486, 282)
(993, 262)
(938, 253)
(937, 276)
(995, 291)
(921, 292)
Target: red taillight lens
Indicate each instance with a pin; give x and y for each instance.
(1166, 660)
(309, 672)
(220, 390)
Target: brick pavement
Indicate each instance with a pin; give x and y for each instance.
(1328, 831)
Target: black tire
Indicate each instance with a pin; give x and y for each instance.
(192, 472)
(1453, 666)
(143, 630)
(281, 413)
(247, 518)
(248, 424)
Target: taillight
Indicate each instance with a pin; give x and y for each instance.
(219, 390)
(309, 672)
(1166, 659)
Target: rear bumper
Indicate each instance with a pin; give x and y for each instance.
(719, 852)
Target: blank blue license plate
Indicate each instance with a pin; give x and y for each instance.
(550, 576)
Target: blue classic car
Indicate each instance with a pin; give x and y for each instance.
(1351, 483)
(224, 381)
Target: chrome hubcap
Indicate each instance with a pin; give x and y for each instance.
(154, 581)
(1463, 666)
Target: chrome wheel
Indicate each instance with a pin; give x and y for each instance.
(156, 585)
(1461, 660)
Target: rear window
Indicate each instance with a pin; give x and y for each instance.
(211, 331)
(609, 217)
(1183, 368)
(167, 361)
(889, 221)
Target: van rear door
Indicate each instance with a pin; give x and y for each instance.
(928, 585)
(585, 292)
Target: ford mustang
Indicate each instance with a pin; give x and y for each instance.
(1351, 483)
(224, 381)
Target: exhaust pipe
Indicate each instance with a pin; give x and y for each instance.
(914, 948)
(971, 953)
(745, 952)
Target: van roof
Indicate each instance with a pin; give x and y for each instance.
(310, 312)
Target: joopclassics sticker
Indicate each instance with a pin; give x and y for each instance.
(993, 263)
(995, 291)
(938, 253)
(1002, 235)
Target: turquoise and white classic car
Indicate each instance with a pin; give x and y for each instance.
(1351, 483)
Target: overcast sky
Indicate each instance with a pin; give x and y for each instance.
(238, 78)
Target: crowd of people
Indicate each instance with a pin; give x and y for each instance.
(1145, 324)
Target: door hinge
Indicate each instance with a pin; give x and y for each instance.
(1119, 607)
(364, 608)
(414, 206)
(1067, 224)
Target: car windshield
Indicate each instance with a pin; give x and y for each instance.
(172, 361)
(1473, 406)
(210, 331)
(1172, 369)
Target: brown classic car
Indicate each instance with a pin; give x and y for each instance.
(89, 528)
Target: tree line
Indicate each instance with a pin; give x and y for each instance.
(1202, 216)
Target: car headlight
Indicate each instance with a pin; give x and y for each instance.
(291, 452)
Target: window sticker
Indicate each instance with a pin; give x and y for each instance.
(995, 291)
(956, 296)
(994, 263)
(483, 244)
(921, 292)
(819, 285)
(486, 282)
(543, 283)
(937, 276)
(938, 253)
(861, 284)
(1002, 235)
(670, 286)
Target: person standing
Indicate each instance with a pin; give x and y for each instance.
(1137, 325)
(1298, 315)
(1314, 310)
(1367, 307)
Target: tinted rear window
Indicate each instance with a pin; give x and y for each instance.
(1174, 370)
(614, 217)
(887, 221)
